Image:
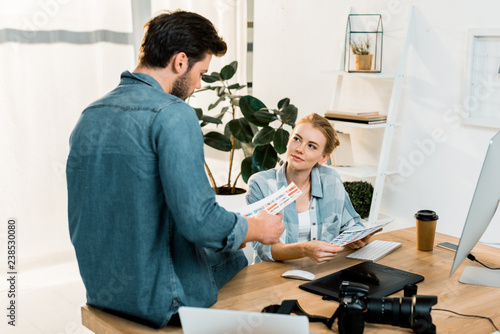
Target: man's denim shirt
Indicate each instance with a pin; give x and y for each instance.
(141, 210)
(331, 209)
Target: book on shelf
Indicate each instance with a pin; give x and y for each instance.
(353, 112)
(366, 119)
(357, 120)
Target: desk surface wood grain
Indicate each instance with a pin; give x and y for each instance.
(260, 285)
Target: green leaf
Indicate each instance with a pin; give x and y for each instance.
(246, 169)
(234, 64)
(264, 157)
(241, 130)
(289, 115)
(218, 141)
(249, 105)
(236, 86)
(280, 140)
(265, 116)
(283, 103)
(228, 71)
(213, 105)
(254, 127)
(264, 136)
(220, 91)
(227, 133)
(248, 149)
(210, 119)
(199, 112)
(210, 78)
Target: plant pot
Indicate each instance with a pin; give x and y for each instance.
(363, 62)
(236, 201)
(232, 201)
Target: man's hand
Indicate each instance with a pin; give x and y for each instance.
(321, 251)
(265, 228)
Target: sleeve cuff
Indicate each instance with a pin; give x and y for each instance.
(237, 235)
(263, 252)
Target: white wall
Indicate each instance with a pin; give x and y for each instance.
(296, 41)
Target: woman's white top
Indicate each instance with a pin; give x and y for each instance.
(304, 226)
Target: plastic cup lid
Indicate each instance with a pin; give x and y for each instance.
(426, 215)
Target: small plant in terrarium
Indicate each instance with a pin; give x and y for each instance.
(361, 48)
(362, 56)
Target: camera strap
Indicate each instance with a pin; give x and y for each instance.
(292, 306)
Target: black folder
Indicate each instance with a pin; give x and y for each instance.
(381, 280)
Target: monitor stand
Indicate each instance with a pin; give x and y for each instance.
(480, 276)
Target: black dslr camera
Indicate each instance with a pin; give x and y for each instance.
(356, 308)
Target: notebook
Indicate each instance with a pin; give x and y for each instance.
(195, 320)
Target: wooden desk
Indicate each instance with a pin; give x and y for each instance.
(260, 285)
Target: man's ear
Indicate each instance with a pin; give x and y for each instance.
(180, 63)
(323, 159)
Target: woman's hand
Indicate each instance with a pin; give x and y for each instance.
(362, 242)
(321, 251)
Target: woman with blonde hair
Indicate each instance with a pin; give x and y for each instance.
(324, 209)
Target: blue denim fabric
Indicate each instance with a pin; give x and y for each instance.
(142, 214)
(330, 207)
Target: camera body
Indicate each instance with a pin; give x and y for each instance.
(356, 308)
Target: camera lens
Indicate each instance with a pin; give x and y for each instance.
(392, 311)
(407, 312)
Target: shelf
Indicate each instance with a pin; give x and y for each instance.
(380, 171)
(364, 126)
(361, 74)
(361, 171)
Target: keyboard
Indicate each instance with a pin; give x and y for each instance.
(374, 251)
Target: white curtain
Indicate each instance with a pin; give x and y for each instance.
(56, 57)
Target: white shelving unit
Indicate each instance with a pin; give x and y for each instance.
(380, 171)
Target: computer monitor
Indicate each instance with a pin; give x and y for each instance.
(482, 209)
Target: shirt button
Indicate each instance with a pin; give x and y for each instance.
(213, 283)
(312, 207)
(314, 238)
(314, 224)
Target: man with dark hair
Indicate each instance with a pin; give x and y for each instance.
(147, 232)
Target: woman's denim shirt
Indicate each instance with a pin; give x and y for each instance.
(141, 210)
(331, 209)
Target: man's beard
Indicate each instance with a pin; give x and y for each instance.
(181, 87)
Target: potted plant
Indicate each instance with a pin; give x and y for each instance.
(251, 132)
(360, 193)
(362, 57)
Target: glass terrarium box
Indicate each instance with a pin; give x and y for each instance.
(363, 43)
